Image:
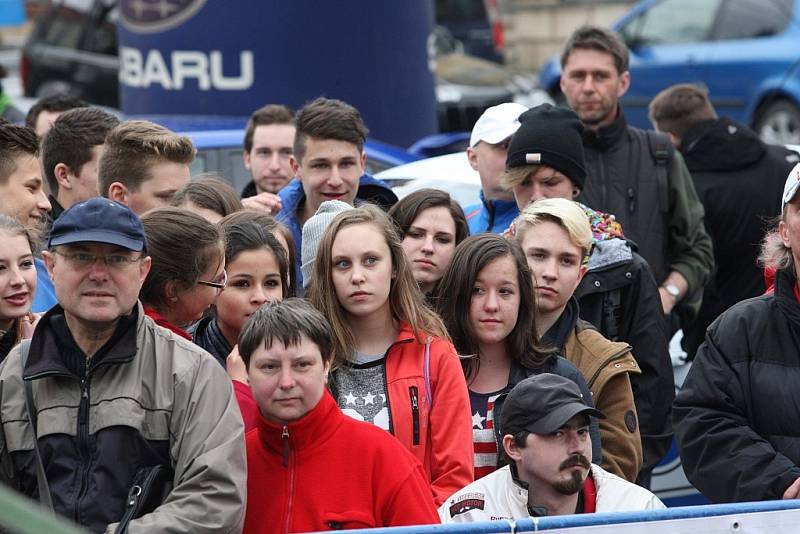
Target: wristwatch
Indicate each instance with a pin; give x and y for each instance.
(672, 290)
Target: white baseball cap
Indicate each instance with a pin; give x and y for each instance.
(497, 123)
(791, 186)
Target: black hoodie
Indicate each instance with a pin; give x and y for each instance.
(739, 180)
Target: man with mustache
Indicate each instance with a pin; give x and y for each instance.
(545, 428)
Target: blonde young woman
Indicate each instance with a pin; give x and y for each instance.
(17, 284)
(393, 364)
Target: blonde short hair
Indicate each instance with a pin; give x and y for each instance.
(566, 213)
(514, 176)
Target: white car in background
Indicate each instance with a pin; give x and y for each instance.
(451, 173)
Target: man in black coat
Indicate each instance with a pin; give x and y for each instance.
(736, 419)
(737, 177)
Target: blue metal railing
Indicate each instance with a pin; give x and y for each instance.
(585, 520)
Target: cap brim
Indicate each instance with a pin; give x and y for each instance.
(559, 417)
(97, 236)
(498, 135)
(789, 194)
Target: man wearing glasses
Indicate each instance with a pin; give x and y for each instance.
(115, 394)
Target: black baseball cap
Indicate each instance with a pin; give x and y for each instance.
(99, 220)
(542, 404)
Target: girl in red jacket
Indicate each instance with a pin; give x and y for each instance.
(393, 363)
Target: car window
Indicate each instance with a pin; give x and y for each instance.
(746, 19)
(103, 39)
(671, 21)
(459, 10)
(65, 23)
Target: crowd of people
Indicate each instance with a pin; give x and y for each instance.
(313, 353)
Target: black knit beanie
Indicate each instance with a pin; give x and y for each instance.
(549, 135)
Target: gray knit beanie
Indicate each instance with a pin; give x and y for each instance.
(312, 234)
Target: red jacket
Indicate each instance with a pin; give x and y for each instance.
(327, 471)
(247, 405)
(442, 441)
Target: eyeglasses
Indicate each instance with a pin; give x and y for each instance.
(84, 260)
(218, 282)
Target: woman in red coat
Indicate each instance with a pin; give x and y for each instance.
(310, 467)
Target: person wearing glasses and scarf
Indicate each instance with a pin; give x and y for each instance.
(188, 270)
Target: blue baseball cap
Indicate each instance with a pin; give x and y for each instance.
(99, 220)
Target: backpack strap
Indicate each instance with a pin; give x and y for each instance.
(41, 478)
(661, 151)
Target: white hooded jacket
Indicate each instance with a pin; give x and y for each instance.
(497, 496)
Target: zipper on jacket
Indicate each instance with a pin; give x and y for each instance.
(386, 385)
(285, 437)
(288, 461)
(415, 412)
(83, 441)
(631, 200)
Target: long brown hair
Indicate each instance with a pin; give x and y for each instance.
(454, 297)
(405, 299)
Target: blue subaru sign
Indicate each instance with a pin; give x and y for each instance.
(229, 58)
(158, 15)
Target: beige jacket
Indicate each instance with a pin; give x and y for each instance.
(169, 391)
(607, 366)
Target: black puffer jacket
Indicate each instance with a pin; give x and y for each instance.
(729, 163)
(736, 418)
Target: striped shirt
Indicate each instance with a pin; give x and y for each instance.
(483, 439)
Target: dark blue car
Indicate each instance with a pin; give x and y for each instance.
(746, 52)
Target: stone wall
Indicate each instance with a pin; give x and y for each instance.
(534, 30)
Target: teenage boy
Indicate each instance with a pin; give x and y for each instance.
(545, 428)
(329, 162)
(556, 237)
(22, 196)
(310, 467)
(618, 294)
(71, 155)
(46, 110)
(143, 165)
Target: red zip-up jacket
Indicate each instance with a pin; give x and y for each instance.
(328, 471)
(439, 435)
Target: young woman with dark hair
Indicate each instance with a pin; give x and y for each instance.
(486, 300)
(431, 224)
(393, 363)
(258, 271)
(188, 268)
